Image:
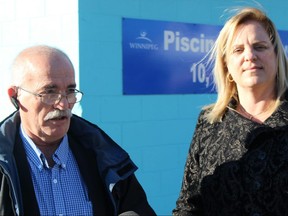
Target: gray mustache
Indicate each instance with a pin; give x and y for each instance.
(58, 114)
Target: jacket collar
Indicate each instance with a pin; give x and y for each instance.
(113, 162)
(8, 130)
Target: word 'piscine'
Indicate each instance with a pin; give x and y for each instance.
(173, 40)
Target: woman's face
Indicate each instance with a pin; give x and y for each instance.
(251, 60)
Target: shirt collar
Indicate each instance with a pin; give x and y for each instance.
(60, 156)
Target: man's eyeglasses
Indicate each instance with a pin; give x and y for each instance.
(54, 98)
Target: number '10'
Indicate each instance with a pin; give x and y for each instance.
(198, 73)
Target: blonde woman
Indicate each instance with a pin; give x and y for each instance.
(237, 163)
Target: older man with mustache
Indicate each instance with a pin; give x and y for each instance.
(56, 163)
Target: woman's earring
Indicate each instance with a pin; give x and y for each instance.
(230, 78)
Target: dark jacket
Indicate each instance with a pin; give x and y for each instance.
(105, 167)
(237, 167)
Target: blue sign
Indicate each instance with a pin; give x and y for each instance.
(284, 38)
(162, 57)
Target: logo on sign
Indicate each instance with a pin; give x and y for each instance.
(143, 42)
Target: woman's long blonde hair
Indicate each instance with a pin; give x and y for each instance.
(227, 89)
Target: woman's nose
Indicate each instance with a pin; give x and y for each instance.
(250, 55)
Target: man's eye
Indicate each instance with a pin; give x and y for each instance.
(49, 91)
(71, 91)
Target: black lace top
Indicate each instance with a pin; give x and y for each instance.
(237, 167)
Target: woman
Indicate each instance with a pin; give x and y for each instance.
(238, 159)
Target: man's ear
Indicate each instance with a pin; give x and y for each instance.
(12, 92)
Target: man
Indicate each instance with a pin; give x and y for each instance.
(56, 163)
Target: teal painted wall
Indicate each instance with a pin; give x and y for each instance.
(155, 129)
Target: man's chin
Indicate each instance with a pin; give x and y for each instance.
(56, 128)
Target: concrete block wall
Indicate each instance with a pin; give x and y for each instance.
(155, 129)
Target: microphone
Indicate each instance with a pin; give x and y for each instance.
(129, 213)
(15, 102)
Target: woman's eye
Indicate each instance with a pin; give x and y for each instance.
(260, 47)
(237, 50)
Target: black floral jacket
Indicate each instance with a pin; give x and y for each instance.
(237, 167)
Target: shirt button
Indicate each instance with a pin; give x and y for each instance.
(55, 181)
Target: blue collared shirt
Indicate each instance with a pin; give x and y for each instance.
(60, 190)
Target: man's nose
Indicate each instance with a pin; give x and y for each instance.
(63, 102)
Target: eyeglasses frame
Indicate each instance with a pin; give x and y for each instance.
(40, 95)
